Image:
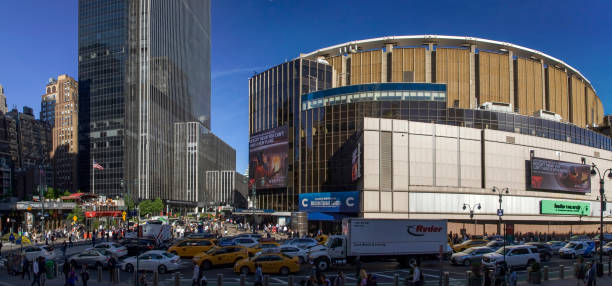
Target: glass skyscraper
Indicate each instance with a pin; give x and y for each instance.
(144, 65)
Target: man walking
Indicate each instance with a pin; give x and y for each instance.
(36, 271)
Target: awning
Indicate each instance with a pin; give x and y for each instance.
(318, 216)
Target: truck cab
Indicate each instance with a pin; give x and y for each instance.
(333, 252)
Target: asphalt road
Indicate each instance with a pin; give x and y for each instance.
(385, 272)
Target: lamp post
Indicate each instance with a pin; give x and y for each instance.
(602, 200)
(472, 208)
(500, 193)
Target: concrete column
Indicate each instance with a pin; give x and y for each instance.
(428, 63)
(543, 86)
(473, 102)
(345, 73)
(383, 67)
(511, 73)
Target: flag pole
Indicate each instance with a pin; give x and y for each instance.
(93, 175)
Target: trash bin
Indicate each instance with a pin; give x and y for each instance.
(50, 266)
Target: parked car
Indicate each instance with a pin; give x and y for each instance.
(468, 244)
(470, 255)
(246, 242)
(91, 258)
(250, 235)
(219, 256)
(201, 235)
(556, 245)
(117, 249)
(545, 251)
(577, 248)
(153, 260)
(226, 241)
(607, 248)
(514, 256)
(271, 263)
(191, 247)
(294, 251)
(496, 244)
(33, 252)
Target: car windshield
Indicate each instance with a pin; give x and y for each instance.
(503, 251)
(169, 255)
(570, 245)
(608, 244)
(211, 251)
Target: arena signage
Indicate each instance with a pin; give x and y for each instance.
(564, 208)
(268, 153)
(336, 202)
(557, 175)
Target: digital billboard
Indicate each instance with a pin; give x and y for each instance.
(564, 208)
(557, 175)
(356, 163)
(268, 159)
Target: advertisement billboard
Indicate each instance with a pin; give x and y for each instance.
(336, 202)
(557, 175)
(268, 154)
(564, 208)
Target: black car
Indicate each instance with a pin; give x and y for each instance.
(546, 252)
(138, 245)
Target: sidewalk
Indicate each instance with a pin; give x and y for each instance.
(605, 280)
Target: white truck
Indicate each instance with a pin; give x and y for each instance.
(159, 232)
(378, 239)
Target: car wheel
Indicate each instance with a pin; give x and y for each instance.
(284, 271)
(245, 270)
(322, 264)
(467, 262)
(161, 269)
(206, 265)
(129, 268)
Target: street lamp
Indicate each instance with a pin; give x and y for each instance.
(472, 209)
(500, 213)
(602, 198)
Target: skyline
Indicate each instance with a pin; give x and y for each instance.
(265, 33)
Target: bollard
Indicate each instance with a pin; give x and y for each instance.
(545, 273)
(242, 280)
(177, 280)
(266, 281)
(396, 279)
(219, 279)
(445, 280)
(469, 277)
(561, 272)
(136, 278)
(99, 273)
(117, 272)
(290, 280)
(155, 278)
(609, 265)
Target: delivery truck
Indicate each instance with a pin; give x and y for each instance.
(381, 239)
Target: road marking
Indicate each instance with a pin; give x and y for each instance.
(381, 275)
(277, 280)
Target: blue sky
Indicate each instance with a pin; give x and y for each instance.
(38, 40)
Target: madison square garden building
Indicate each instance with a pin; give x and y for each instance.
(418, 126)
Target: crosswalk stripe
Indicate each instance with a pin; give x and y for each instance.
(382, 275)
(277, 280)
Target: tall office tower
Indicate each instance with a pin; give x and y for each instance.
(144, 65)
(3, 106)
(59, 109)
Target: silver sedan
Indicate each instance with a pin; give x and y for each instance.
(92, 257)
(470, 255)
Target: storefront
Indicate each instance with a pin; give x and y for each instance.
(326, 210)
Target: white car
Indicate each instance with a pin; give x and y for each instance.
(515, 256)
(293, 251)
(33, 252)
(246, 242)
(153, 260)
(578, 248)
(115, 248)
(302, 242)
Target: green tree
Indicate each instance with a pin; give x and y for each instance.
(51, 194)
(67, 193)
(145, 207)
(78, 212)
(129, 202)
(157, 206)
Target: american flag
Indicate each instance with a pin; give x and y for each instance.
(97, 166)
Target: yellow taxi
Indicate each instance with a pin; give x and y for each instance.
(469, 244)
(272, 263)
(191, 247)
(218, 256)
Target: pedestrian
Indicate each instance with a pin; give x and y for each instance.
(70, 240)
(513, 278)
(0, 247)
(195, 280)
(591, 276)
(580, 271)
(72, 277)
(112, 265)
(36, 272)
(340, 279)
(372, 280)
(66, 270)
(363, 278)
(358, 266)
(417, 274)
(258, 276)
(25, 267)
(64, 246)
(42, 270)
(84, 275)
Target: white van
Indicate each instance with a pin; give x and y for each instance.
(577, 248)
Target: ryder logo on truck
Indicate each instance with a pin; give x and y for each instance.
(421, 230)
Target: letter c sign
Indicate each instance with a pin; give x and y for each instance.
(350, 202)
(305, 203)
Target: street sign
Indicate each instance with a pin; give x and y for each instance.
(500, 212)
(123, 215)
(74, 218)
